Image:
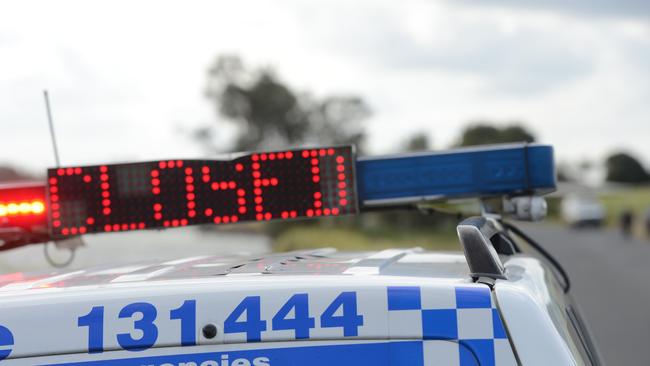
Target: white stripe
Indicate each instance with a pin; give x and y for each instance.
(118, 270)
(388, 253)
(141, 276)
(184, 260)
(361, 270)
(208, 265)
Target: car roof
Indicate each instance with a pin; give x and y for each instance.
(435, 276)
(416, 262)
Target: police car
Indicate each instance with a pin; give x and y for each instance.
(501, 301)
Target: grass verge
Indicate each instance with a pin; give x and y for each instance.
(636, 199)
(308, 237)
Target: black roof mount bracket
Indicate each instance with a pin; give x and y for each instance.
(475, 235)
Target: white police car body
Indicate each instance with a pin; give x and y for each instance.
(494, 305)
(394, 307)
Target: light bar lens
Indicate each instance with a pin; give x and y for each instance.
(476, 172)
(22, 208)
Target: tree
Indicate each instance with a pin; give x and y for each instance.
(623, 168)
(483, 133)
(270, 114)
(9, 174)
(417, 142)
(564, 172)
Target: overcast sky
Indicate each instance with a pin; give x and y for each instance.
(126, 77)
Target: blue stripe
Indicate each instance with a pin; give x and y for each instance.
(404, 298)
(439, 324)
(497, 325)
(442, 324)
(473, 297)
(408, 353)
(481, 349)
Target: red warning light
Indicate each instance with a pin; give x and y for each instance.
(34, 208)
(23, 208)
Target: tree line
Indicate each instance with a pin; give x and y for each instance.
(270, 114)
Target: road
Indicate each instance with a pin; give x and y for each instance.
(611, 283)
(137, 246)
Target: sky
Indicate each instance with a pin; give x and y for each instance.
(127, 78)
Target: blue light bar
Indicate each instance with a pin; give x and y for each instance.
(494, 170)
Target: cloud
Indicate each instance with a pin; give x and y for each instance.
(601, 8)
(119, 92)
(508, 56)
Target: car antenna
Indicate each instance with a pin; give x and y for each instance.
(51, 123)
(73, 243)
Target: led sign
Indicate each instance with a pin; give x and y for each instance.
(252, 187)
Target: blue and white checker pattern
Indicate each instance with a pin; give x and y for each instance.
(464, 315)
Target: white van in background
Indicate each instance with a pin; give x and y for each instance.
(582, 210)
